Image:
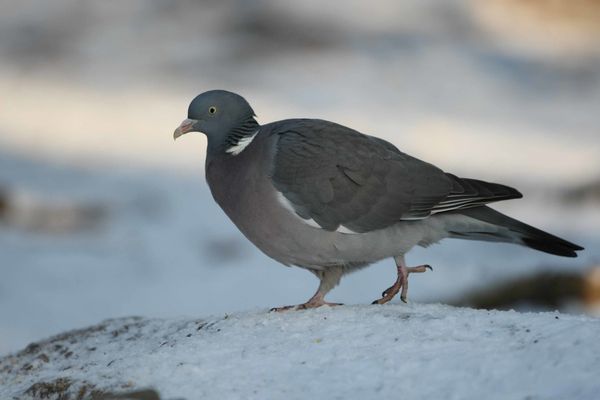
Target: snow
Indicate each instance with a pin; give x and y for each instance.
(352, 352)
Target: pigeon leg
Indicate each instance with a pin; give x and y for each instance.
(401, 282)
(329, 278)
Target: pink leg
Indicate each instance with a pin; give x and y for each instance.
(401, 281)
(329, 278)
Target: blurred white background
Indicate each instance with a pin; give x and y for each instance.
(102, 215)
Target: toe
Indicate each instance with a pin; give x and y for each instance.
(281, 309)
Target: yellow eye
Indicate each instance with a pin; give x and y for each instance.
(212, 109)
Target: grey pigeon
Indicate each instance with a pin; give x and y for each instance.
(324, 197)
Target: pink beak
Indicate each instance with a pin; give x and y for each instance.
(186, 126)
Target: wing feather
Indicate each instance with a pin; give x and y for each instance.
(338, 176)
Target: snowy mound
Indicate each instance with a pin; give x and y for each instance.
(353, 352)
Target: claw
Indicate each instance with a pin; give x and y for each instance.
(281, 309)
(383, 300)
(304, 306)
(419, 268)
(401, 284)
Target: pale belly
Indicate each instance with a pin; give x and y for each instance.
(287, 238)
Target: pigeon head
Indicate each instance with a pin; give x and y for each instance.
(224, 117)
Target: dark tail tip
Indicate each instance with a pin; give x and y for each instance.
(519, 232)
(551, 244)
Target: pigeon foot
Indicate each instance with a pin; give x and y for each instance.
(318, 300)
(304, 306)
(401, 282)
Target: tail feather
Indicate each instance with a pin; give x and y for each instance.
(514, 231)
(467, 193)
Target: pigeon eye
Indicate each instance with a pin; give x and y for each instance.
(212, 109)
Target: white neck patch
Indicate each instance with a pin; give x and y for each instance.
(241, 145)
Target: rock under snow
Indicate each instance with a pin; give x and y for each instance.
(353, 352)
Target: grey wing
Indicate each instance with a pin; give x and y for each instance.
(340, 177)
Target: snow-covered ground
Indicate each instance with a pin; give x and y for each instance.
(411, 352)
